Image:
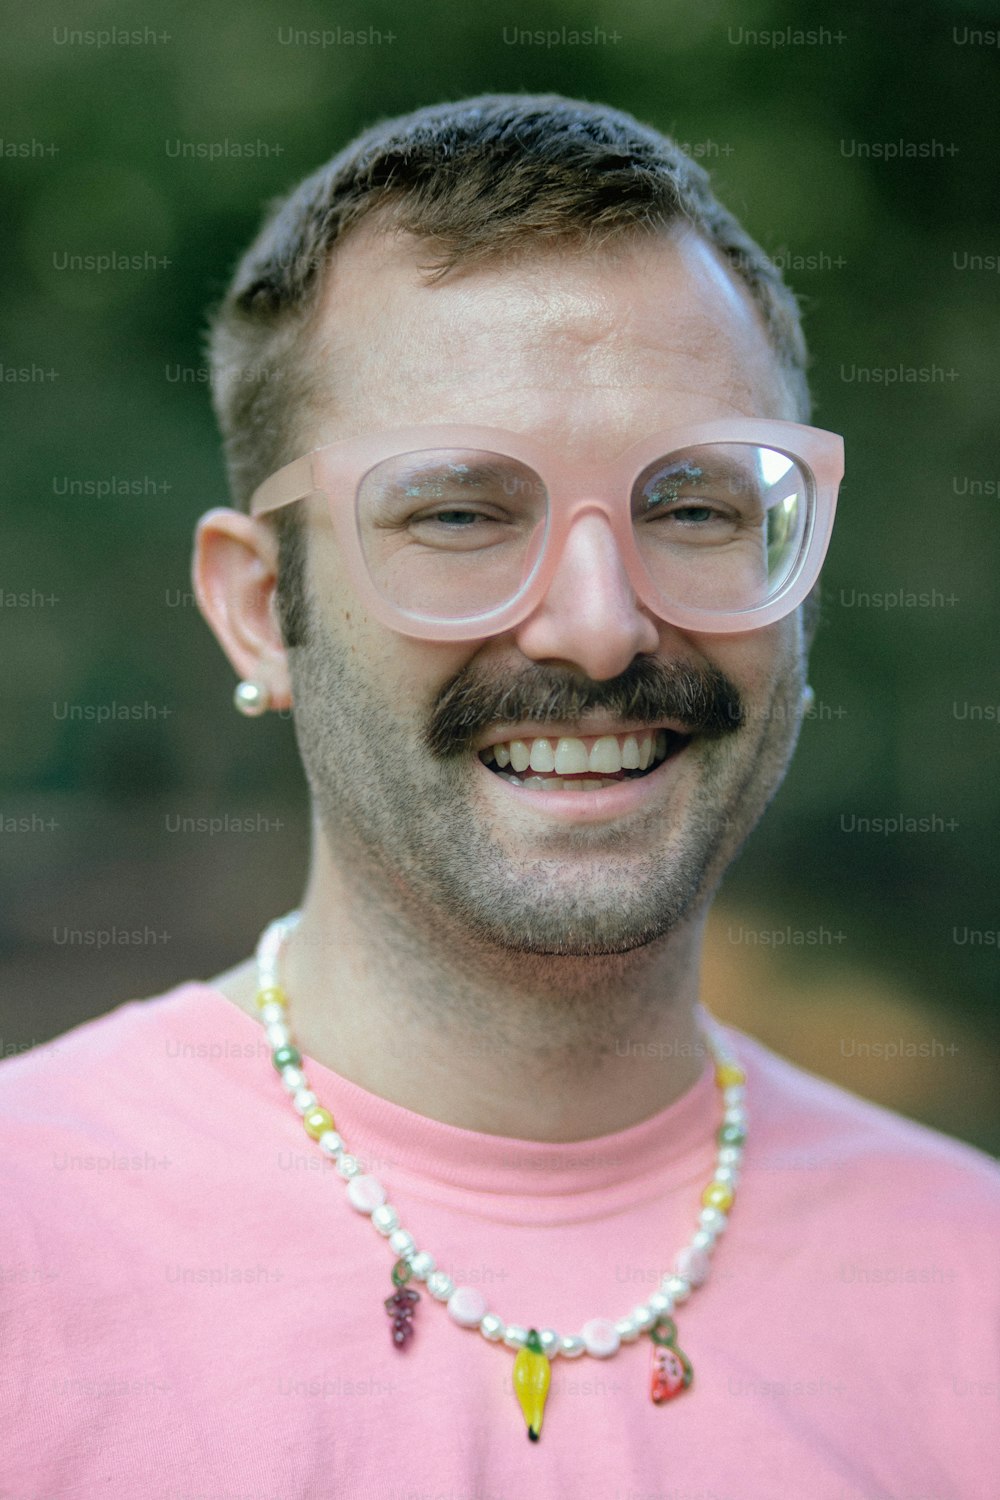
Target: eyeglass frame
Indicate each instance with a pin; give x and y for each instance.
(579, 487)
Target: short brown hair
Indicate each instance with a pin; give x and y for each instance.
(481, 180)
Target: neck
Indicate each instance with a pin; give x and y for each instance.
(538, 1047)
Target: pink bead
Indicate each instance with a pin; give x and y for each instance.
(467, 1306)
(692, 1265)
(365, 1193)
(600, 1337)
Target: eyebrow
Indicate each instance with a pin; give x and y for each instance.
(678, 466)
(478, 473)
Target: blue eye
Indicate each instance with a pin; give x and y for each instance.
(450, 516)
(694, 513)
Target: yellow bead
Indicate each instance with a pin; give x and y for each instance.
(718, 1195)
(274, 996)
(728, 1075)
(317, 1121)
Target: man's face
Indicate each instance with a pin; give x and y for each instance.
(586, 354)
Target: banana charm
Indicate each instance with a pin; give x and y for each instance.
(532, 1374)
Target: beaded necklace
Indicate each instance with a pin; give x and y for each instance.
(535, 1348)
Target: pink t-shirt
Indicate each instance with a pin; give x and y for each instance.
(191, 1307)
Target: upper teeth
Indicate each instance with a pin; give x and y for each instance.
(570, 757)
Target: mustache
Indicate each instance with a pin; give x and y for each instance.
(702, 699)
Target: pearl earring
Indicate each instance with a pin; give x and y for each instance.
(808, 698)
(251, 698)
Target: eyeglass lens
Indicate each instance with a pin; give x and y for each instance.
(453, 533)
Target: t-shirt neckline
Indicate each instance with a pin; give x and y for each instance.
(671, 1144)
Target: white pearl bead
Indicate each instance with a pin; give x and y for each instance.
(712, 1219)
(422, 1264)
(440, 1285)
(571, 1346)
(515, 1337)
(661, 1303)
(304, 1099)
(627, 1329)
(293, 1078)
(385, 1218)
(733, 1093)
(677, 1287)
(272, 1012)
(402, 1241)
(728, 1175)
(348, 1166)
(702, 1239)
(491, 1327)
(467, 1306)
(365, 1193)
(643, 1316)
(735, 1115)
(601, 1338)
(730, 1156)
(549, 1340)
(278, 1034)
(330, 1143)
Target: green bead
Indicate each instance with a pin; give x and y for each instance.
(731, 1135)
(401, 1273)
(285, 1057)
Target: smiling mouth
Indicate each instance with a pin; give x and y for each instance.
(582, 765)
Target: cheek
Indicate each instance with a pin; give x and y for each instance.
(760, 663)
(413, 673)
(407, 673)
(403, 676)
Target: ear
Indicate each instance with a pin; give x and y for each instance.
(235, 572)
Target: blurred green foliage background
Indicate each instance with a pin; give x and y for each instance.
(865, 158)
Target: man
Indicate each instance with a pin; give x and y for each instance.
(528, 522)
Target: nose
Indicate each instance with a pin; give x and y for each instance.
(590, 617)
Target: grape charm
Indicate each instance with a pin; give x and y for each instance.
(401, 1304)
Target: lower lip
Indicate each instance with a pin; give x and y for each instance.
(610, 802)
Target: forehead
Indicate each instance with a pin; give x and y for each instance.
(601, 345)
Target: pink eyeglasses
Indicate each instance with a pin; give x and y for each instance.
(454, 533)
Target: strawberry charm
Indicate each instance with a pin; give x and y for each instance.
(671, 1368)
